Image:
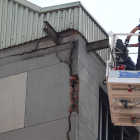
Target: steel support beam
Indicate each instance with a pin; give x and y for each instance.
(98, 45)
(49, 30)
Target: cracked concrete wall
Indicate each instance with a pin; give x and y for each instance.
(47, 94)
(55, 130)
(91, 74)
(48, 70)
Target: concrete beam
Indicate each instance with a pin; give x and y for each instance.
(49, 30)
(98, 45)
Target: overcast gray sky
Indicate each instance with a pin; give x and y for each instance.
(119, 16)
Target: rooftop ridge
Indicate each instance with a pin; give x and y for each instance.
(28, 5)
(39, 9)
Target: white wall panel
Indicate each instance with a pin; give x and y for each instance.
(12, 102)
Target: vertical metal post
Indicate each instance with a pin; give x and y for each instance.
(100, 120)
(112, 39)
(125, 130)
(121, 133)
(115, 38)
(106, 123)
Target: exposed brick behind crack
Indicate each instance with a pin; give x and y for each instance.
(74, 99)
(74, 92)
(74, 84)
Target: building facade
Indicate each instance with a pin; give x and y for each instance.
(53, 91)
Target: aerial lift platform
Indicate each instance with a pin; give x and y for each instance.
(123, 88)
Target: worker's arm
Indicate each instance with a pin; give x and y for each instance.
(133, 45)
(133, 31)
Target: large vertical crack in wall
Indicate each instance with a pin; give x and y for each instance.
(74, 83)
(64, 52)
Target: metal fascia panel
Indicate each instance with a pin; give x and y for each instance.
(9, 21)
(62, 6)
(28, 4)
(4, 23)
(1, 8)
(93, 18)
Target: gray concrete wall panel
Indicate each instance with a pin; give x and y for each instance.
(67, 39)
(75, 50)
(83, 133)
(28, 47)
(64, 56)
(12, 102)
(28, 65)
(89, 102)
(89, 63)
(39, 44)
(35, 53)
(96, 58)
(48, 97)
(47, 94)
(55, 130)
(74, 66)
(91, 74)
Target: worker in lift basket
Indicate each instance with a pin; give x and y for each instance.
(135, 45)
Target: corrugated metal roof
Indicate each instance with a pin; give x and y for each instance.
(22, 21)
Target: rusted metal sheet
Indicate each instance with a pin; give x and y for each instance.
(98, 45)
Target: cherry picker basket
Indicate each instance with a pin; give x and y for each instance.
(123, 85)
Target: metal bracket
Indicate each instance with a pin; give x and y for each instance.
(125, 103)
(133, 120)
(49, 30)
(98, 45)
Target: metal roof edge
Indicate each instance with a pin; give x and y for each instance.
(57, 7)
(28, 5)
(93, 18)
(61, 6)
(46, 9)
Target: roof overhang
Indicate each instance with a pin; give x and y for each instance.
(57, 7)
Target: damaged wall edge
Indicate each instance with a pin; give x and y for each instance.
(66, 52)
(74, 84)
(73, 81)
(38, 49)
